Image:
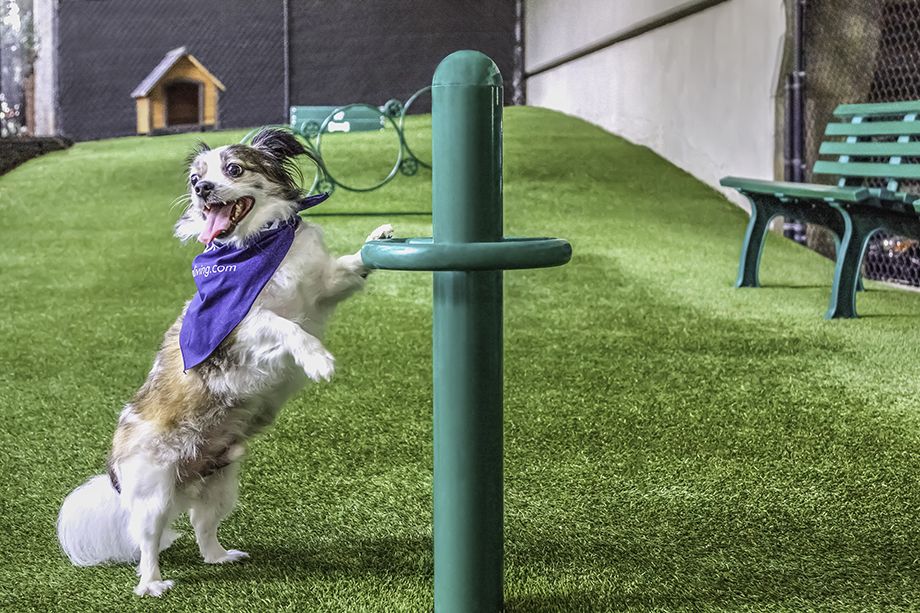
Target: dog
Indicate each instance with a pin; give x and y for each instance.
(223, 370)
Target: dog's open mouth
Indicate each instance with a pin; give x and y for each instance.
(221, 218)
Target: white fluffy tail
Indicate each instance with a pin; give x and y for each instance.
(93, 526)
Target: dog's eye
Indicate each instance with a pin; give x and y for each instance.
(193, 179)
(234, 170)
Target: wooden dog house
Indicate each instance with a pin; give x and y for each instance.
(179, 95)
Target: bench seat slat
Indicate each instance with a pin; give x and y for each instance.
(876, 109)
(867, 169)
(873, 128)
(870, 149)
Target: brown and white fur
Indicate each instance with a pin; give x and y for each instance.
(180, 440)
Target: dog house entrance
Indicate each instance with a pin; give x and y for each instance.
(182, 103)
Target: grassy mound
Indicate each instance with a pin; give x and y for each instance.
(671, 443)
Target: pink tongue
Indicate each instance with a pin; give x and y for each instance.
(217, 220)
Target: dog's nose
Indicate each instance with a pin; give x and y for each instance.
(203, 188)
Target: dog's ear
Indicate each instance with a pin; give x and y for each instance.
(277, 143)
(199, 148)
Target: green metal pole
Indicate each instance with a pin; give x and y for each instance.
(467, 207)
(468, 253)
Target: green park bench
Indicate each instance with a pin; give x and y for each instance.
(872, 149)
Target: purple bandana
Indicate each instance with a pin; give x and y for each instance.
(229, 279)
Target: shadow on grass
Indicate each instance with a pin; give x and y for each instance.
(373, 214)
(635, 578)
(641, 573)
(393, 556)
(552, 603)
(791, 286)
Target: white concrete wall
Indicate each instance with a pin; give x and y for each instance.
(700, 91)
(45, 12)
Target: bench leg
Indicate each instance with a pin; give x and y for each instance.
(837, 233)
(752, 247)
(847, 273)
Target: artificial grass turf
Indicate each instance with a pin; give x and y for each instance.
(671, 443)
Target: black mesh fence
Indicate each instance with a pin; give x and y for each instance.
(338, 52)
(862, 51)
(105, 48)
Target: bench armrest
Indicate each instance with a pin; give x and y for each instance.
(805, 191)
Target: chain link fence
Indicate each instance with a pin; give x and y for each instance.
(861, 51)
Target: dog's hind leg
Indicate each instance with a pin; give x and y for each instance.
(147, 492)
(210, 506)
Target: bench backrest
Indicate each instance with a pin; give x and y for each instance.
(878, 144)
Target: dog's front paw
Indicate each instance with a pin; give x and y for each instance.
(153, 588)
(382, 232)
(318, 364)
(229, 556)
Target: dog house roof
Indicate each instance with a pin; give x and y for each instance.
(169, 60)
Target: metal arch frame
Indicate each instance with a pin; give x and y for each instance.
(393, 111)
(318, 149)
(402, 119)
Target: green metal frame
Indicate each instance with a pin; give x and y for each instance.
(831, 215)
(862, 220)
(468, 252)
(402, 129)
(310, 123)
(331, 182)
(307, 120)
(852, 213)
(368, 117)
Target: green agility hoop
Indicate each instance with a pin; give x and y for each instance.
(468, 252)
(402, 130)
(311, 131)
(392, 113)
(384, 117)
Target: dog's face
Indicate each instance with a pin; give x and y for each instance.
(237, 189)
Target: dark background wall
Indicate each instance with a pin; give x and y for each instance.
(340, 51)
(352, 51)
(106, 47)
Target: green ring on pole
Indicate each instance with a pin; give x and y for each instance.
(506, 254)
